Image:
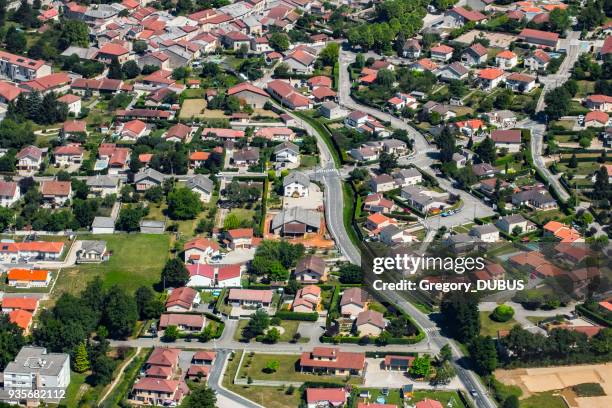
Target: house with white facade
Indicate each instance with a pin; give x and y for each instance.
(296, 184)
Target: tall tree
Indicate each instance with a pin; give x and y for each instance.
(486, 150)
(120, 313)
(484, 355)
(174, 274)
(114, 69)
(81, 360)
(11, 340)
(461, 315)
(446, 143)
(201, 397)
(183, 204)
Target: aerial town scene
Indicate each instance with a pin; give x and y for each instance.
(306, 203)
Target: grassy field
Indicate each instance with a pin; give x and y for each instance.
(490, 327)
(137, 259)
(542, 217)
(393, 397)
(270, 397)
(72, 392)
(286, 371)
(543, 400)
(442, 396)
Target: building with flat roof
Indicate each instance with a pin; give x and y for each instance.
(35, 369)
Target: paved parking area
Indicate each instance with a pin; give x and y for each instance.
(376, 377)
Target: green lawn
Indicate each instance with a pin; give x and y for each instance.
(442, 396)
(290, 327)
(543, 400)
(393, 397)
(490, 327)
(136, 260)
(270, 397)
(308, 161)
(542, 217)
(286, 371)
(72, 392)
(535, 319)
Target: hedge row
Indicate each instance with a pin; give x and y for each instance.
(307, 317)
(357, 340)
(593, 316)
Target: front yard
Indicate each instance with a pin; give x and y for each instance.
(289, 328)
(489, 327)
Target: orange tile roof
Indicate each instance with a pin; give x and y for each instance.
(19, 302)
(490, 73)
(28, 274)
(506, 54)
(21, 318)
(199, 156)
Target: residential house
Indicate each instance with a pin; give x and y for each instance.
(201, 275)
(235, 39)
(110, 51)
(501, 118)
(18, 68)
(596, 119)
(353, 302)
(103, 225)
(204, 358)
(182, 300)
(301, 60)
(178, 133)
(74, 129)
(325, 397)
(29, 158)
(9, 92)
(133, 130)
(485, 233)
(520, 82)
(200, 250)
(102, 186)
(307, 299)
(377, 203)
(459, 16)
(296, 222)
(239, 238)
(377, 221)
(475, 54)
(411, 49)
(198, 158)
(562, 232)
(441, 53)
(539, 38)
(13, 302)
(202, 186)
(370, 323)
(9, 193)
(407, 177)
(331, 110)
(33, 368)
(250, 298)
(40, 250)
(484, 170)
(56, 192)
(287, 95)
(537, 197)
(332, 361)
(147, 178)
(296, 184)
(507, 139)
(28, 278)
(229, 276)
(424, 200)
(70, 154)
(508, 224)
(397, 363)
(158, 391)
(310, 269)
(537, 61)
(599, 102)
(382, 183)
(287, 152)
(92, 251)
(73, 102)
(249, 94)
(490, 78)
(245, 157)
(455, 71)
(364, 154)
(506, 59)
(191, 323)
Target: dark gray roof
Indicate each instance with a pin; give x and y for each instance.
(102, 181)
(149, 173)
(482, 229)
(297, 214)
(93, 246)
(287, 146)
(202, 182)
(296, 177)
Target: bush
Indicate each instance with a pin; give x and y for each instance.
(306, 317)
(502, 313)
(588, 390)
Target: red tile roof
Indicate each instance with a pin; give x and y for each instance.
(21, 318)
(245, 86)
(19, 302)
(72, 149)
(134, 126)
(9, 91)
(198, 269)
(264, 296)
(335, 396)
(202, 244)
(74, 126)
(56, 188)
(490, 73)
(113, 49)
(167, 357)
(8, 188)
(506, 136)
(597, 116)
(183, 297)
(226, 272)
(338, 359)
(538, 34)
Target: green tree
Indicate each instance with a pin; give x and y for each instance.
(81, 360)
(147, 304)
(272, 366)
(7, 216)
(15, 41)
(446, 142)
(170, 334)
(174, 274)
(484, 355)
(387, 162)
(183, 204)
(73, 32)
(446, 353)
(114, 69)
(329, 55)
(350, 273)
(557, 103)
(486, 150)
(258, 323)
(421, 366)
(11, 340)
(502, 313)
(120, 313)
(184, 6)
(461, 315)
(573, 161)
(444, 374)
(201, 397)
(279, 42)
(512, 401)
(559, 20)
(129, 218)
(140, 47)
(272, 336)
(130, 69)
(102, 370)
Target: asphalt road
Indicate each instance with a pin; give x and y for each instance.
(215, 379)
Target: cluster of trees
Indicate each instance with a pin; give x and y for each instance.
(58, 37)
(11, 338)
(273, 259)
(228, 103)
(130, 216)
(43, 110)
(128, 70)
(259, 326)
(558, 101)
(86, 68)
(183, 204)
(16, 135)
(392, 18)
(560, 346)
(240, 194)
(69, 327)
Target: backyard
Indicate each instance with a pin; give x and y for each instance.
(489, 327)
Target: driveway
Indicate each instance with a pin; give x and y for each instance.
(377, 377)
